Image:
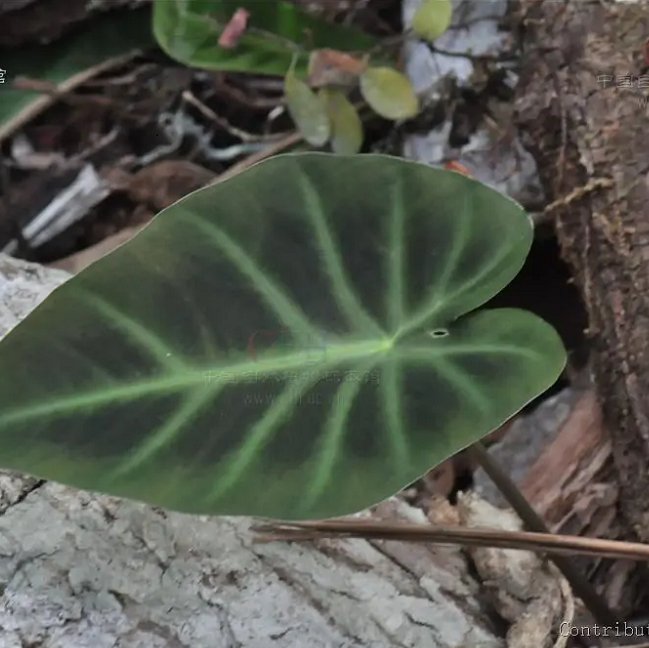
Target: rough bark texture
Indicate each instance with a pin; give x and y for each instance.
(561, 458)
(81, 570)
(573, 485)
(593, 158)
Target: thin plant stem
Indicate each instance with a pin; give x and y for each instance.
(580, 585)
(548, 543)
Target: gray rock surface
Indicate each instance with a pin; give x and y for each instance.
(81, 570)
(474, 46)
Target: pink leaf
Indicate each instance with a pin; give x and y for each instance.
(235, 29)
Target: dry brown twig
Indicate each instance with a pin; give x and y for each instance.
(223, 123)
(35, 108)
(548, 543)
(51, 89)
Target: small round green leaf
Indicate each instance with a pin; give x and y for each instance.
(307, 109)
(389, 93)
(346, 125)
(295, 342)
(432, 18)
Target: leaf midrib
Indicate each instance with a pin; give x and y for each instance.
(239, 372)
(170, 382)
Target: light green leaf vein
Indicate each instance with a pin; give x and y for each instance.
(437, 297)
(485, 271)
(431, 354)
(392, 396)
(234, 468)
(438, 293)
(427, 312)
(191, 376)
(286, 310)
(334, 433)
(199, 318)
(396, 258)
(133, 329)
(174, 426)
(463, 384)
(342, 290)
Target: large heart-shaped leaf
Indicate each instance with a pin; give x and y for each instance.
(292, 342)
(188, 30)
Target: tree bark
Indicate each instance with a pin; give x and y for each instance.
(79, 570)
(590, 146)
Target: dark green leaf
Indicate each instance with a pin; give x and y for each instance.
(293, 342)
(432, 18)
(389, 93)
(102, 38)
(188, 30)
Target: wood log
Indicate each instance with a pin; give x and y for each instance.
(573, 485)
(582, 109)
